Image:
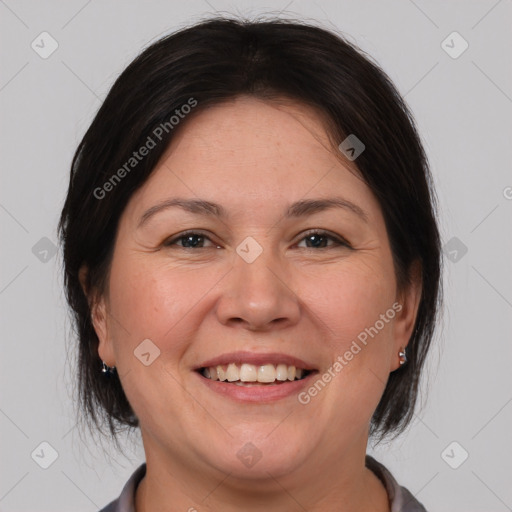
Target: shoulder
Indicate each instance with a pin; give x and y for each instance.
(400, 499)
(126, 500)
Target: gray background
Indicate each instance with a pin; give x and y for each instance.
(463, 108)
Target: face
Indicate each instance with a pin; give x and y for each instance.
(289, 264)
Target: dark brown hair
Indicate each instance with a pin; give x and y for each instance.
(214, 61)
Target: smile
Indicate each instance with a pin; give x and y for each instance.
(249, 377)
(251, 374)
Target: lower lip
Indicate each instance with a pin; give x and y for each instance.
(263, 393)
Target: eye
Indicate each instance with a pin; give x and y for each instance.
(190, 240)
(314, 239)
(318, 239)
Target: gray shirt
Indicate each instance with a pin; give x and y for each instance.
(400, 499)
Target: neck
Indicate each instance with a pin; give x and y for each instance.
(342, 484)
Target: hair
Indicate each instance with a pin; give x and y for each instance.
(212, 62)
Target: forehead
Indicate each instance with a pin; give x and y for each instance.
(248, 154)
(250, 132)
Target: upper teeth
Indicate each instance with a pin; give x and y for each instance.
(253, 373)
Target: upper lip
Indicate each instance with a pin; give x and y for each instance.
(256, 359)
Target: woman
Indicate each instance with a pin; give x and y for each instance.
(253, 261)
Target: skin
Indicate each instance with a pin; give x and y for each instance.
(254, 158)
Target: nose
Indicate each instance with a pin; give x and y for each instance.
(258, 296)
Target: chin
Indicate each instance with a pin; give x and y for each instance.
(259, 457)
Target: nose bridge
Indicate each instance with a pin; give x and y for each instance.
(258, 279)
(257, 293)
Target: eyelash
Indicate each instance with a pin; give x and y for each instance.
(339, 242)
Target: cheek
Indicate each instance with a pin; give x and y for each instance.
(349, 298)
(348, 305)
(152, 300)
(159, 303)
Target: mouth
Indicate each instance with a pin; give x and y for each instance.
(249, 375)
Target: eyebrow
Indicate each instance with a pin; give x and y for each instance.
(298, 209)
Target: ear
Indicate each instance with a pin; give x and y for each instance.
(99, 317)
(405, 319)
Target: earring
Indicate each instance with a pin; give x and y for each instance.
(402, 356)
(107, 370)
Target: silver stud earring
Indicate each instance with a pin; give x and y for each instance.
(107, 370)
(402, 356)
